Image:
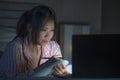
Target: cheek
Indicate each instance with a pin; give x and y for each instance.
(43, 36)
(40, 37)
(51, 35)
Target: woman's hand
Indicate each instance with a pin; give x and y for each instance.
(59, 69)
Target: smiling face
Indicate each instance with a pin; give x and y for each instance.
(46, 33)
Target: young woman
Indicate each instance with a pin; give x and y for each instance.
(33, 44)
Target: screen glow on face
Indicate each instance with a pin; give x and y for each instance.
(46, 33)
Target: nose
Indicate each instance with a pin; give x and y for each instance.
(47, 34)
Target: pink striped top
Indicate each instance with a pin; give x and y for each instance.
(17, 58)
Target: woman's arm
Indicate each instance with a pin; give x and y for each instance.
(7, 65)
(12, 62)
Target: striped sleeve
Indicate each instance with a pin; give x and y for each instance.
(20, 62)
(19, 59)
(12, 61)
(7, 65)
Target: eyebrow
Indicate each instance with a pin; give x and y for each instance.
(45, 27)
(49, 57)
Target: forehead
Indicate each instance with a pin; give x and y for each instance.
(49, 24)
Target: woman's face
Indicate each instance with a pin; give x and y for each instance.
(46, 33)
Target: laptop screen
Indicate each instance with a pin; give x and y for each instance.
(96, 56)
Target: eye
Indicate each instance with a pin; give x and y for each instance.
(52, 30)
(43, 30)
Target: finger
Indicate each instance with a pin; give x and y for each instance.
(56, 73)
(63, 66)
(58, 70)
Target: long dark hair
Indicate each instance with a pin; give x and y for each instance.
(21, 30)
(36, 17)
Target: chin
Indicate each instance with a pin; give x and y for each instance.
(43, 44)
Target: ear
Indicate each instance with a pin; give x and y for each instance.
(29, 28)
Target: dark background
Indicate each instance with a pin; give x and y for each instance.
(96, 56)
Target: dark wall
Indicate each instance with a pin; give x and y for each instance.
(110, 17)
(78, 11)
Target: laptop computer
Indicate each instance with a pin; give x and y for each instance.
(96, 56)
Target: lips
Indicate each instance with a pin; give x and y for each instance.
(45, 41)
